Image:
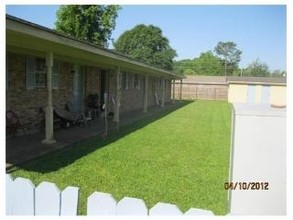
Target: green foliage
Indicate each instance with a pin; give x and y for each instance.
(230, 55)
(171, 158)
(183, 65)
(147, 44)
(278, 73)
(189, 72)
(257, 68)
(207, 64)
(93, 23)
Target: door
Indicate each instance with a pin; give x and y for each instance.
(78, 88)
(250, 94)
(265, 97)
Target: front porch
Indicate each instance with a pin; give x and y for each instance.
(26, 147)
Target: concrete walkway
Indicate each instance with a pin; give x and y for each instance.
(23, 148)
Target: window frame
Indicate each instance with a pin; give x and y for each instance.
(136, 81)
(33, 72)
(125, 80)
(130, 81)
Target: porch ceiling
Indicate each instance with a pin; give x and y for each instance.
(25, 37)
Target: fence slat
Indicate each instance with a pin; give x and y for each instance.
(24, 198)
(165, 209)
(101, 204)
(47, 199)
(9, 194)
(131, 206)
(193, 211)
(69, 201)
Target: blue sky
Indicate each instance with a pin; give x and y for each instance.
(259, 31)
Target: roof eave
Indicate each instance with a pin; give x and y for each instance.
(28, 28)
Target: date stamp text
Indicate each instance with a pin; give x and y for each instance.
(246, 186)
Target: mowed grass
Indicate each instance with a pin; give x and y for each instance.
(181, 158)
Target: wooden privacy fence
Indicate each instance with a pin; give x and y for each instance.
(201, 87)
(23, 198)
(202, 91)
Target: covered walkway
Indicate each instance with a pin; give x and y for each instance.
(26, 147)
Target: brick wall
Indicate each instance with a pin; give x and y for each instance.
(92, 80)
(132, 98)
(27, 104)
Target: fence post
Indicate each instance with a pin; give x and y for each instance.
(69, 201)
(47, 199)
(24, 197)
(131, 206)
(193, 211)
(9, 194)
(215, 93)
(165, 209)
(101, 204)
(180, 93)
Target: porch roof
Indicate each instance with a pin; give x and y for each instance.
(23, 36)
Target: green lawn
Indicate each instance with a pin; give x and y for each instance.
(179, 157)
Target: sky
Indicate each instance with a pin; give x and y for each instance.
(258, 31)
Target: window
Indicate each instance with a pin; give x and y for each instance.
(163, 83)
(55, 75)
(130, 80)
(40, 73)
(36, 73)
(136, 81)
(125, 80)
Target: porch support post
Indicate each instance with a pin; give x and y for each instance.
(180, 89)
(173, 94)
(117, 94)
(145, 99)
(163, 94)
(49, 109)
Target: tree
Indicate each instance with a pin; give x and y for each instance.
(278, 73)
(208, 64)
(147, 44)
(181, 66)
(257, 68)
(230, 55)
(189, 72)
(93, 23)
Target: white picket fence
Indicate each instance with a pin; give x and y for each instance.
(23, 198)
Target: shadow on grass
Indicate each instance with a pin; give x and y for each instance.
(66, 156)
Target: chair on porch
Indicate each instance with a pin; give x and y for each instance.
(80, 116)
(13, 123)
(67, 118)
